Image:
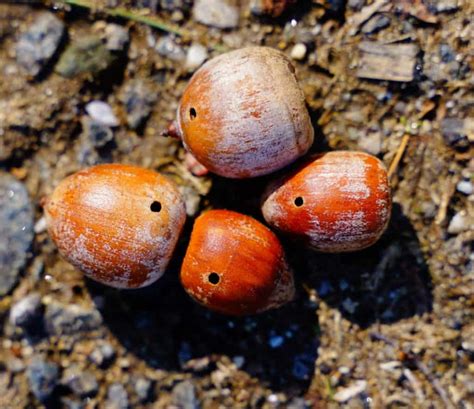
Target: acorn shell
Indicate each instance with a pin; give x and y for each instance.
(243, 114)
(118, 224)
(235, 265)
(336, 202)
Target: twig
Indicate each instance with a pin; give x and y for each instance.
(121, 12)
(444, 203)
(435, 382)
(415, 384)
(398, 155)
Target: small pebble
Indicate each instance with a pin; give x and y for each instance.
(117, 397)
(82, 383)
(276, 341)
(239, 361)
(459, 223)
(96, 134)
(103, 354)
(345, 394)
(168, 48)
(375, 24)
(63, 319)
(117, 37)
(43, 378)
(196, 56)
(465, 186)
(143, 388)
(184, 395)
(371, 142)
(138, 102)
(86, 55)
(27, 311)
(102, 113)
(216, 13)
(38, 45)
(298, 52)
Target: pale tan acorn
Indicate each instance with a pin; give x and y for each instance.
(243, 114)
(118, 224)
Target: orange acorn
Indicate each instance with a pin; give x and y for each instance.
(339, 201)
(243, 114)
(235, 265)
(118, 224)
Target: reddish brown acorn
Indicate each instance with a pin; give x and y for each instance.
(235, 265)
(339, 201)
(118, 224)
(243, 114)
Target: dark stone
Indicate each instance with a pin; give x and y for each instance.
(138, 100)
(375, 24)
(28, 313)
(86, 55)
(64, 319)
(16, 230)
(97, 133)
(43, 378)
(38, 45)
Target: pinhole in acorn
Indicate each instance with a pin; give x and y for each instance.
(192, 113)
(155, 207)
(214, 278)
(299, 201)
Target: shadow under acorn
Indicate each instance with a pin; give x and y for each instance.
(385, 283)
(163, 326)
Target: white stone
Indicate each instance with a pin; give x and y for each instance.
(196, 56)
(101, 112)
(465, 186)
(216, 13)
(353, 390)
(459, 223)
(298, 52)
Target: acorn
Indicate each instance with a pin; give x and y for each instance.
(243, 114)
(118, 224)
(235, 265)
(336, 202)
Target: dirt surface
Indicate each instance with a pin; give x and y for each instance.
(390, 326)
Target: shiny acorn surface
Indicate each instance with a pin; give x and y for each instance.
(243, 114)
(338, 201)
(235, 265)
(118, 224)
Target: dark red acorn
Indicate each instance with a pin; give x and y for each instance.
(235, 265)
